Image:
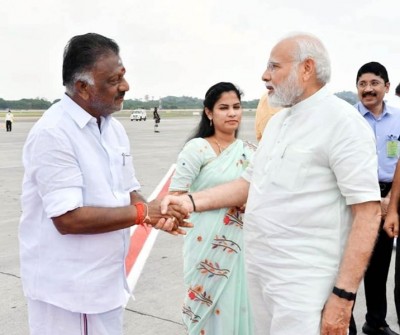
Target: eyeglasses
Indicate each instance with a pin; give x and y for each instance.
(373, 84)
(273, 66)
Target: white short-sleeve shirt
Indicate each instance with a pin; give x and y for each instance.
(315, 160)
(69, 163)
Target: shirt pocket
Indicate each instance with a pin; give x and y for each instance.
(292, 169)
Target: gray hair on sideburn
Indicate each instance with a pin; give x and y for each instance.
(86, 77)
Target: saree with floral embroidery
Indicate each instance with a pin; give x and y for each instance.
(216, 301)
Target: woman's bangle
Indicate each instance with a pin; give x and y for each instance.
(191, 199)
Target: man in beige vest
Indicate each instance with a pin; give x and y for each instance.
(264, 112)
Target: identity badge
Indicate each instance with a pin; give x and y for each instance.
(392, 148)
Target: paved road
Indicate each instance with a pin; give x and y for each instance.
(159, 292)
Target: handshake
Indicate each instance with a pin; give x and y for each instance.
(170, 214)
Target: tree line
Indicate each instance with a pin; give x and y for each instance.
(169, 102)
(25, 104)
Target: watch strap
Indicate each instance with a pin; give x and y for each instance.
(344, 294)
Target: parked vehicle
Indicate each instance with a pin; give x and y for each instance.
(138, 115)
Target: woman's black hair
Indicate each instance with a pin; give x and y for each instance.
(204, 129)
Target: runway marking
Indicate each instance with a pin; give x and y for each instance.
(142, 241)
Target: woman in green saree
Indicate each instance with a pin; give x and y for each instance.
(216, 302)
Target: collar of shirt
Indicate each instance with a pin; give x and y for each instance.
(78, 114)
(311, 101)
(364, 110)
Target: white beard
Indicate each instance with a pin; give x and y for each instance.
(288, 92)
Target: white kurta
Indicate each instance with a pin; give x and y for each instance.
(314, 160)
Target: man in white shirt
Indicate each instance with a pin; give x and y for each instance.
(312, 195)
(9, 118)
(79, 198)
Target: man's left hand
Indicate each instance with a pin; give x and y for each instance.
(336, 316)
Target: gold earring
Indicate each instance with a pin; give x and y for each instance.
(210, 122)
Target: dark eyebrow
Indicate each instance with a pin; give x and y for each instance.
(116, 76)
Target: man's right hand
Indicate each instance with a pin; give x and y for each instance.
(183, 201)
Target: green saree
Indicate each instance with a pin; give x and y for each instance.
(216, 301)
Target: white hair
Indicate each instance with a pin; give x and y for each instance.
(311, 47)
(87, 77)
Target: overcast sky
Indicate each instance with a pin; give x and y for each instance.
(181, 47)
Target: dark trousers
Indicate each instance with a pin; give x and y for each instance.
(8, 125)
(376, 276)
(375, 281)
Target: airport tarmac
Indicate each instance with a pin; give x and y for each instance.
(159, 292)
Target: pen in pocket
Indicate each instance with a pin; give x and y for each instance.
(123, 158)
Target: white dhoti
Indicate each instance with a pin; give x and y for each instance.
(47, 319)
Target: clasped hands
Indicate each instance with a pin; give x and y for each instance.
(169, 214)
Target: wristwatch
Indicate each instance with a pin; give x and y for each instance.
(344, 294)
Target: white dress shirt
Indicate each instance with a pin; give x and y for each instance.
(9, 117)
(69, 163)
